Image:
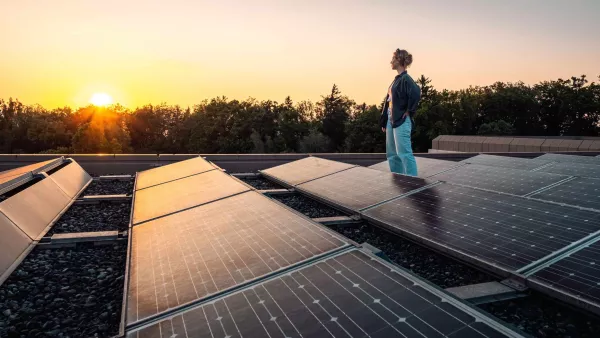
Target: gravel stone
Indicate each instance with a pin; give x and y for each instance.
(542, 317)
(93, 217)
(103, 187)
(436, 268)
(261, 183)
(307, 206)
(50, 310)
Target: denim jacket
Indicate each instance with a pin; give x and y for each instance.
(405, 98)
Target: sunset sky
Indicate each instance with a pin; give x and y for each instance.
(61, 52)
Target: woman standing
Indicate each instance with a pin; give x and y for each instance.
(397, 116)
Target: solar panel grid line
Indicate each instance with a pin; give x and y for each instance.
(173, 172)
(499, 179)
(306, 169)
(546, 261)
(188, 208)
(360, 187)
(307, 288)
(300, 236)
(504, 161)
(323, 227)
(173, 180)
(412, 192)
(573, 169)
(543, 166)
(330, 174)
(534, 231)
(168, 199)
(548, 187)
(579, 192)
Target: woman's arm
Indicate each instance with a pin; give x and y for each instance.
(414, 95)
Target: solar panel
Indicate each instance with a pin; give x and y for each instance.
(182, 194)
(26, 168)
(199, 252)
(9, 175)
(581, 192)
(34, 208)
(172, 172)
(568, 158)
(498, 230)
(71, 179)
(573, 169)
(426, 167)
(360, 187)
(577, 275)
(349, 295)
(505, 162)
(13, 242)
(305, 170)
(510, 181)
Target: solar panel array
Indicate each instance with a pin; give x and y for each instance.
(195, 253)
(506, 162)
(512, 216)
(426, 167)
(349, 295)
(305, 170)
(27, 213)
(359, 187)
(498, 230)
(500, 179)
(232, 262)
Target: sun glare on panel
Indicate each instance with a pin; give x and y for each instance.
(101, 99)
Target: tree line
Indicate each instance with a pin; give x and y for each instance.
(335, 123)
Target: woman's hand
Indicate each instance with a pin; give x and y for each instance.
(383, 129)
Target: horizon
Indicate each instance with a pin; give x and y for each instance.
(141, 53)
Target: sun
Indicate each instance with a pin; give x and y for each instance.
(101, 99)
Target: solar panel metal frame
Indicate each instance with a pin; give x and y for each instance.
(348, 244)
(25, 177)
(214, 167)
(481, 263)
(480, 316)
(123, 321)
(341, 207)
(292, 185)
(556, 292)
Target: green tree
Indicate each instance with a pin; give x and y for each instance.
(334, 112)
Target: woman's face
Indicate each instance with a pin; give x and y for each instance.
(394, 62)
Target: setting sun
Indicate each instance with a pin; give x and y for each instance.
(101, 99)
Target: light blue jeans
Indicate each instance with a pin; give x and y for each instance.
(399, 150)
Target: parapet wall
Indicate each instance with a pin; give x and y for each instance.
(482, 144)
(132, 163)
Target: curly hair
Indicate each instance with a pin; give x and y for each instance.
(403, 57)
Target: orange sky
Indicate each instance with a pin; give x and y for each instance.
(60, 52)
